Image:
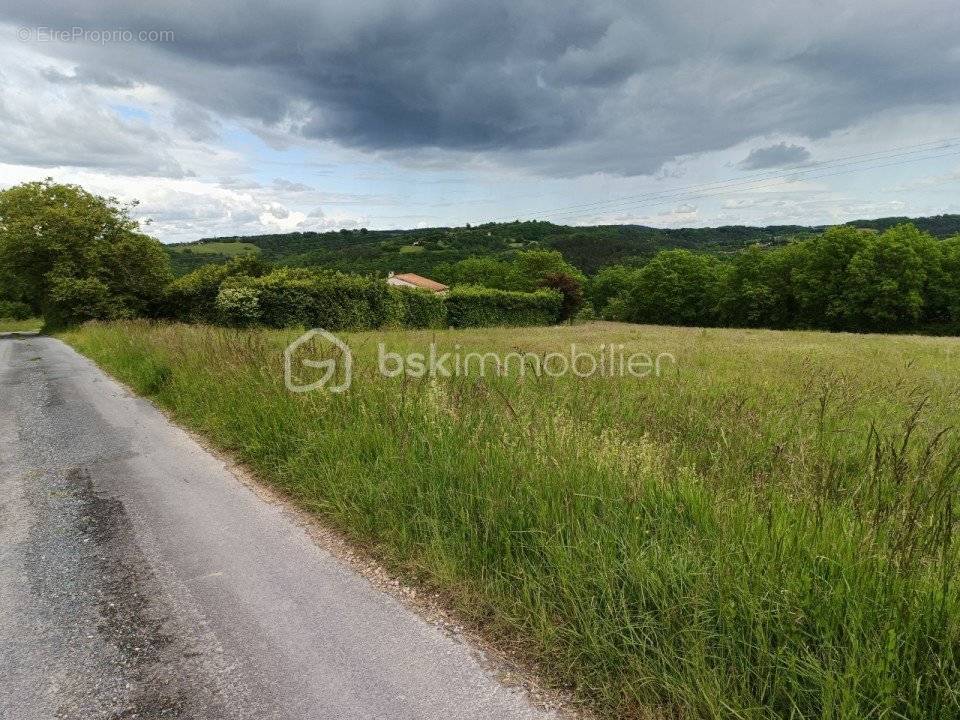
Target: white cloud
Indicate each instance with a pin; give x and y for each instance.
(213, 135)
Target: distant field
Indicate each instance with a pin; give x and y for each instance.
(10, 325)
(216, 248)
(766, 530)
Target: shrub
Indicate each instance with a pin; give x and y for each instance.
(284, 296)
(417, 308)
(238, 306)
(570, 287)
(290, 297)
(15, 310)
(334, 301)
(472, 306)
(609, 283)
(617, 309)
(193, 297)
(73, 300)
(584, 315)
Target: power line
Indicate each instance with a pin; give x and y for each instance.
(760, 186)
(836, 162)
(901, 154)
(746, 187)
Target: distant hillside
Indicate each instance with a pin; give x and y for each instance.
(425, 251)
(940, 226)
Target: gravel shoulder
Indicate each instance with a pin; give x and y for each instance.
(140, 577)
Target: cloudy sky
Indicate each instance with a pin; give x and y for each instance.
(227, 118)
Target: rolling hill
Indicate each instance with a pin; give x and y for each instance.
(422, 250)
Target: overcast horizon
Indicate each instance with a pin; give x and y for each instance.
(236, 119)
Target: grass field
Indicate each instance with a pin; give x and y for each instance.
(411, 249)
(217, 248)
(11, 325)
(766, 530)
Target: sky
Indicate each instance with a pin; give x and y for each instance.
(237, 118)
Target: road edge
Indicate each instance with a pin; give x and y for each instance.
(510, 667)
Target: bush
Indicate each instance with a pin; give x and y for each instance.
(472, 306)
(609, 283)
(290, 297)
(238, 306)
(294, 296)
(417, 308)
(584, 315)
(75, 300)
(193, 297)
(15, 310)
(570, 288)
(617, 309)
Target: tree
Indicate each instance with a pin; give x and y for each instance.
(193, 296)
(888, 279)
(485, 271)
(610, 283)
(532, 267)
(677, 287)
(78, 256)
(948, 291)
(525, 271)
(746, 296)
(570, 288)
(822, 277)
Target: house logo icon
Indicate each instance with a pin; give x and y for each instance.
(337, 360)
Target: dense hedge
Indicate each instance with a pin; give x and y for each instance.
(290, 297)
(417, 308)
(474, 306)
(15, 310)
(193, 297)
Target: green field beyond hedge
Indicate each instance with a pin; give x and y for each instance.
(766, 530)
(20, 325)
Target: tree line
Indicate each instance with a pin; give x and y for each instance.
(844, 279)
(72, 256)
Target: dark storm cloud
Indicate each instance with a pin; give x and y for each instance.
(774, 156)
(557, 86)
(199, 124)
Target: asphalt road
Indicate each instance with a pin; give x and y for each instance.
(139, 578)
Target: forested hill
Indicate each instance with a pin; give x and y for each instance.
(421, 250)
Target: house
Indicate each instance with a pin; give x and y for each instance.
(412, 280)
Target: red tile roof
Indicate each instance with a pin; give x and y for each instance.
(421, 282)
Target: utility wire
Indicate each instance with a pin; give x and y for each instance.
(661, 198)
(836, 162)
(904, 154)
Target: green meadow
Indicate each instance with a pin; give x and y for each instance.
(767, 529)
(228, 249)
(14, 325)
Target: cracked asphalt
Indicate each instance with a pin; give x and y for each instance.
(140, 578)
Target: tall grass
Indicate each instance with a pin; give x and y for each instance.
(14, 325)
(765, 531)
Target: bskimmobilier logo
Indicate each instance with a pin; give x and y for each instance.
(336, 355)
(319, 349)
